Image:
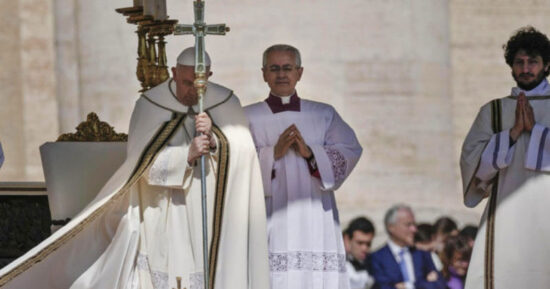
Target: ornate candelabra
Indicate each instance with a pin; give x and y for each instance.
(152, 68)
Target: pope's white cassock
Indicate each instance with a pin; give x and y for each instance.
(305, 240)
(519, 239)
(144, 228)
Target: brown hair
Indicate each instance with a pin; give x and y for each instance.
(455, 244)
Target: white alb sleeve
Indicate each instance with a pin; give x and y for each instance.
(496, 156)
(538, 152)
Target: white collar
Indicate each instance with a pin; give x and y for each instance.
(542, 89)
(163, 95)
(284, 99)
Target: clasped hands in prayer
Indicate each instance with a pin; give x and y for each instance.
(204, 142)
(291, 138)
(525, 119)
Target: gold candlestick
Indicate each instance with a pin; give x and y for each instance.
(161, 29)
(142, 58)
(151, 68)
(162, 67)
(151, 75)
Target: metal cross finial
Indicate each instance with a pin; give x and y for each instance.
(199, 29)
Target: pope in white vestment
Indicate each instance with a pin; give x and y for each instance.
(511, 248)
(306, 248)
(144, 228)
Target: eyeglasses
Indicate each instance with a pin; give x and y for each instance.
(284, 68)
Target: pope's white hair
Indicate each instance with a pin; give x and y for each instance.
(187, 57)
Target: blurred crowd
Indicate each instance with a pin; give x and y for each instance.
(426, 255)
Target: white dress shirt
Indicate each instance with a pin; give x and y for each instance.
(395, 249)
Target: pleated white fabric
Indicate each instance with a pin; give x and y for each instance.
(305, 240)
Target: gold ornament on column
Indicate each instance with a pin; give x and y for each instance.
(160, 29)
(162, 67)
(151, 75)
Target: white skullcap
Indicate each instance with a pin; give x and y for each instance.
(187, 57)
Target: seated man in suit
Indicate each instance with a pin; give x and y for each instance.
(398, 265)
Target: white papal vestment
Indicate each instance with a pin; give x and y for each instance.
(519, 242)
(305, 240)
(144, 228)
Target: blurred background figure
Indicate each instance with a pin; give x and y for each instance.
(357, 241)
(469, 232)
(424, 237)
(398, 264)
(444, 227)
(456, 258)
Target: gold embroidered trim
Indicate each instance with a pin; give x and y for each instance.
(534, 97)
(496, 124)
(164, 133)
(221, 184)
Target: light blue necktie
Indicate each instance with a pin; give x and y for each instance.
(403, 265)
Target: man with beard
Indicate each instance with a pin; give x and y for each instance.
(506, 157)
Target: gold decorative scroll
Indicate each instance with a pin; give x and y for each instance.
(94, 130)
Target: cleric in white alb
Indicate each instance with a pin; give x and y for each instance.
(306, 152)
(506, 157)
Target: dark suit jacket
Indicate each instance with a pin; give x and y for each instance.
(387, 273)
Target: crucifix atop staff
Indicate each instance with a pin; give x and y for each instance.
(200, 29)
